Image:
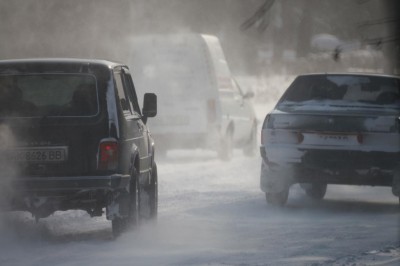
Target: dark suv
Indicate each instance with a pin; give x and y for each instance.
(73, 136)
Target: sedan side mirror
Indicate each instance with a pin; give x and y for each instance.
(149, 105)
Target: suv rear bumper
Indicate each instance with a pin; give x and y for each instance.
(44, 195)
(72, 184)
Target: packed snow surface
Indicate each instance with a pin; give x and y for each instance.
(213, 213)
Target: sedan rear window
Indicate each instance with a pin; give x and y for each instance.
(344, 88)
(46, 95)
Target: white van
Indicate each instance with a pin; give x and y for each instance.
(199, 103)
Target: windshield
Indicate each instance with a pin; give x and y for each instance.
(173, 66)
(39, 95)
(344, 89)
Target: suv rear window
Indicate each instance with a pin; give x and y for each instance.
(345, 88)
(39, 95)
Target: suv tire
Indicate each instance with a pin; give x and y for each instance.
(149, 197)
(132, 198)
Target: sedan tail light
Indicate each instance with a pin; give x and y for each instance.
(266, 124)
(108, 154)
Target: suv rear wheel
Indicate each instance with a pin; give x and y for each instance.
(132, 199)
(149, 197)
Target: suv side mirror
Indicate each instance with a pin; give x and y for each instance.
(149, 105)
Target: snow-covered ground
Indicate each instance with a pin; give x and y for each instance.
(213, 213)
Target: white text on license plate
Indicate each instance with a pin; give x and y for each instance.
(330, 139)
(38, 155)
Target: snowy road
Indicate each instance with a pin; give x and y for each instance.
(213, 213)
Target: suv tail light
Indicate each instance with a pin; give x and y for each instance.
(108, 154)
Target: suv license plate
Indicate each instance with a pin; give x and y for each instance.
(56, 154)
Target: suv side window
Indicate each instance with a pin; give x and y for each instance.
(130, 90)
(124, 101)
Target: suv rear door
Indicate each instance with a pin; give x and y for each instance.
(56, 125)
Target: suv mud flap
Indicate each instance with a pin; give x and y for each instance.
(118, 202)
(117, 205)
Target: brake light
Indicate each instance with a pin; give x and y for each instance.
(108, 154)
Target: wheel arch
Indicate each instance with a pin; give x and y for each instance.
(134, 159)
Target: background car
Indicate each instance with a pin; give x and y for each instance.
(332, 129)
(200, 104)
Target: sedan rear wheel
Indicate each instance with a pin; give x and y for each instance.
(316, 191)
(277, 198)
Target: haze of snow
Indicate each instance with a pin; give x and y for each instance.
(213, 213)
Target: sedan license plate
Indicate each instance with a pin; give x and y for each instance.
(38, 154)
(330, 139)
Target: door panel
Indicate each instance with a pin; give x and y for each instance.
(136, 133)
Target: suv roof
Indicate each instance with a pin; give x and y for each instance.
(52, 61)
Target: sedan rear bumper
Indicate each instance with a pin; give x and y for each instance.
(331, 166)
(330, 159)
